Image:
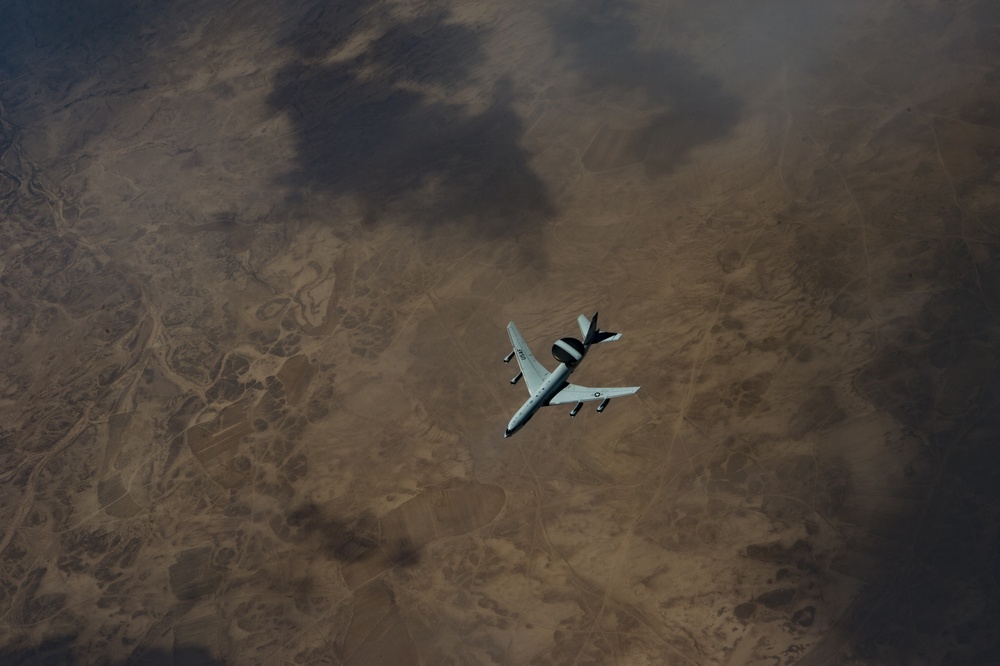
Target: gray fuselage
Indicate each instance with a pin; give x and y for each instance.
(552, 385)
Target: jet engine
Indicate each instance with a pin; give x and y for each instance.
(568, 351)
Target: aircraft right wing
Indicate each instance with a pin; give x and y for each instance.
(572, 393)
(533, 371)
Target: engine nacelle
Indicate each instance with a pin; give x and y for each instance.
(568, 350)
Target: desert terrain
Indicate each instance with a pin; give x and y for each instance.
(256, 264)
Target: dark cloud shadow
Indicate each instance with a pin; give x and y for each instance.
(689, 108)
(61, 652)
(936, 594)
(382, 125)
(325, 27)
(47, 47)
(928, 551)
(348, 544)
(334, 537)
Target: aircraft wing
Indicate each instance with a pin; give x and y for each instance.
(572, 393)
(533, 371)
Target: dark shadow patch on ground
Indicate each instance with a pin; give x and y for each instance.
(690, 108)
(936, 597)
(381, 125)
(63, 28)
(49, 46)
(337, 540)
(325, 27)
(347, 543)
(928, 552)
(61, 651)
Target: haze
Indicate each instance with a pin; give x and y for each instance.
(256, 265)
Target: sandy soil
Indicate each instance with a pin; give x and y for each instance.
(256, 265)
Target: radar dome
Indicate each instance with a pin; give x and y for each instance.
(568, 351)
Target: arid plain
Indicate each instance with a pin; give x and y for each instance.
(256, 264)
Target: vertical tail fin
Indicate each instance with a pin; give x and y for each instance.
(588, 337)
(591, 333)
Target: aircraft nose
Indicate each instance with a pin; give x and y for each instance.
(506, 433)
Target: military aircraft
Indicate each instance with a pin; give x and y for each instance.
(552, 388)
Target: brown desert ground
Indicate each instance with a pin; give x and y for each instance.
(256, 264)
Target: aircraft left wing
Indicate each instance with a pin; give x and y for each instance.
(572, 394)
(533, 371)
